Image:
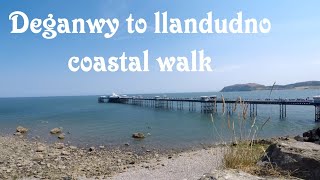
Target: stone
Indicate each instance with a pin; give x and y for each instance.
(17, 134)
(312, 135)
(65, 153)
(56, 131)
(67, 178)
(229, 175)
(101, 147)
(61, 136)
(73, 147)
(127, 144)
(40, 149)
(38, 157)
(91, 149)
(21, 129)
(301, 158)
(138, 135)
(59, 145)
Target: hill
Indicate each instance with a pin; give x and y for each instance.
(255, 87)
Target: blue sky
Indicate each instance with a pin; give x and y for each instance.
(33, 66)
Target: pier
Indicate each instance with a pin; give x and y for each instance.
(209, 104)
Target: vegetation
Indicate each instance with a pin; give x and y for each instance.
(245, 151)
(254, 86)
(244, 156)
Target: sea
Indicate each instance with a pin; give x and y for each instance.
(89, 123)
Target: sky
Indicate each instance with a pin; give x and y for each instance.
(33, 66)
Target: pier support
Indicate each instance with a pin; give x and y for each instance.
(283, 111)
(207, 107)
(317, 113)
(229, 108)
(180, 105)
(192, 106)
(215, 110)
(253, 110)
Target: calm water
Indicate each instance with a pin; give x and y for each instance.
(90, 123)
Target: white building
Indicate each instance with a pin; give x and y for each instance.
(316, 99)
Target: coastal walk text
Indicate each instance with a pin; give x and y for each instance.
(197, 62)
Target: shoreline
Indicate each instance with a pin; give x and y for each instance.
(25, 158)
(22, 158)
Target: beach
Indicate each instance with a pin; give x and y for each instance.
(22, 158)
(186, 165)
(275, 158)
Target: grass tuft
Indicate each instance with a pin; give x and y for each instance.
(244, 156)
(245, 151)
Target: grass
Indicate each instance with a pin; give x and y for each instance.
(244, 156)
(245, 152)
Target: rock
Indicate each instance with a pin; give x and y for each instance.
(127, 144)
(21, 129)
(56, 131)
(67, 178)
(301, 158)
(40, 149)
(138, 135)
(17, 134)
(101, 147)
(61, 136)
(229, 175)
(65, 153)
(299, 138)
(312, 135)
(59, 145)
(38, 157)
(92, 149)
(73, 147)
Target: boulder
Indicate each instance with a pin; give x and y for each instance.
(56, 131)
(17, 134)
(138, 135)
(61, 136)
(312, 135)
(21, 129)
(229, 175)
(300, 158)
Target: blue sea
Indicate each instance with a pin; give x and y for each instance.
(87, 123)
